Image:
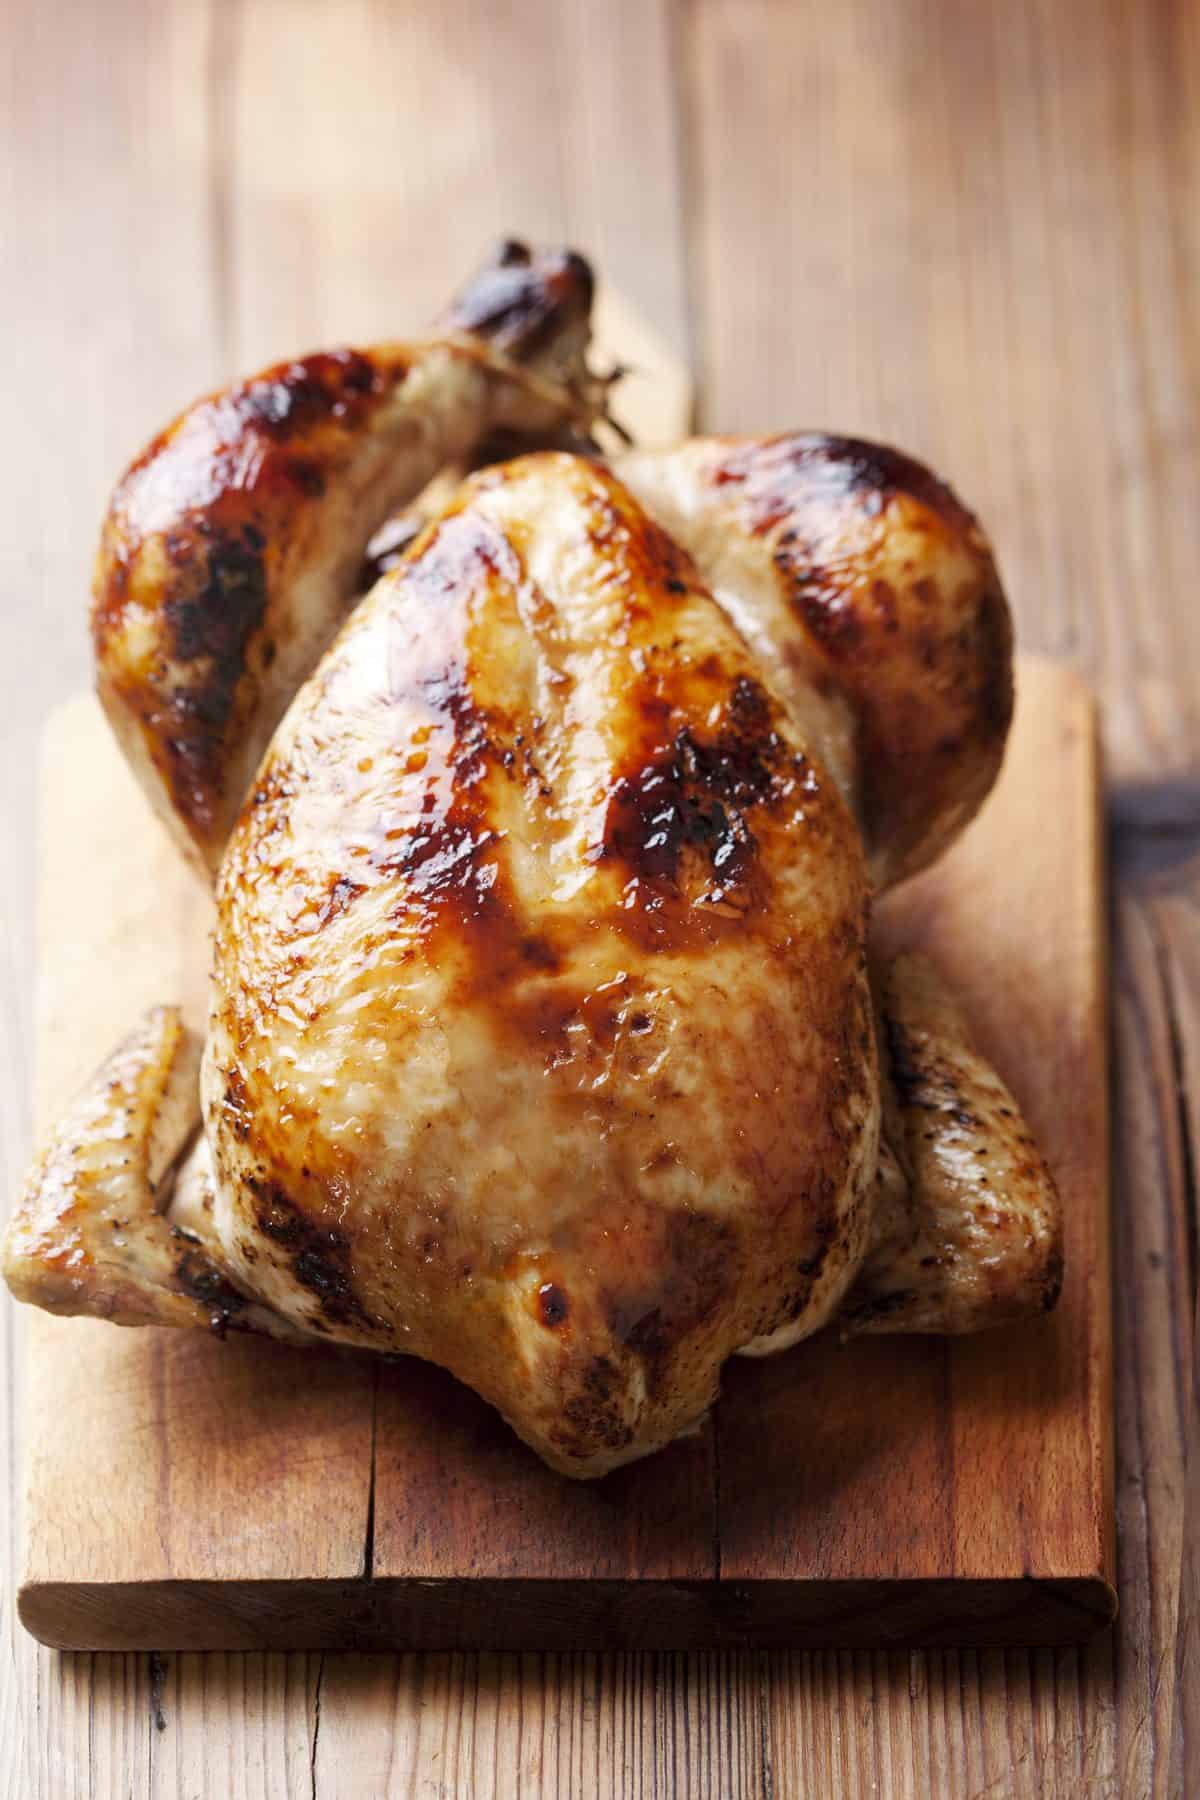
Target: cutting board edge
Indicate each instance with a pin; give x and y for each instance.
(527, 1613)
(194, 1612)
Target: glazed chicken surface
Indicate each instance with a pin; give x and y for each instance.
(541, 1039)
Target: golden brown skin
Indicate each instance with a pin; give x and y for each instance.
(970, 1234)
(870, 596)
(234, 544)
(540, 1040)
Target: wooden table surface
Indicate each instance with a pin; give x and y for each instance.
(970, 228)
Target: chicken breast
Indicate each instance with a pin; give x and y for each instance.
(540, 1042)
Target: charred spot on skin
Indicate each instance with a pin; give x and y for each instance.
(553, 1307)
(904, 1061)
(197, 1277)
(320, 1254)
(227, 601)
(450, 855)
(449, 865)
(217, 603)
(699, 795)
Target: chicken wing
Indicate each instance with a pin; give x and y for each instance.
(968, 1224)
(90, 1235)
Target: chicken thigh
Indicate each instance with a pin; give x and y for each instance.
(870, 596)
(234, 544)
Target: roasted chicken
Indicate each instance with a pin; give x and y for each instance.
(541, 1040)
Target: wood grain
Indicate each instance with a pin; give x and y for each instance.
(973, 232)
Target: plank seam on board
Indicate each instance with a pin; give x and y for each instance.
(316, 1729)
(1173, 1103)
(369, 1544)
(1187, 1147)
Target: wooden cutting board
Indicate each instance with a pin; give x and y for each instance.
(186, 1493)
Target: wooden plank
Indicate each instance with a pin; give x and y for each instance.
(273, 1497)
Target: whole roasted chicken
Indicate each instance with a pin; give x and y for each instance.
(542, 1040)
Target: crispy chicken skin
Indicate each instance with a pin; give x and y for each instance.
(234, 544)
(541, 1041)
(870, 597)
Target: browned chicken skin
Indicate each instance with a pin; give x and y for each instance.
(234, 545)
(540, 1038)
(870, 594)
(967, 1229)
